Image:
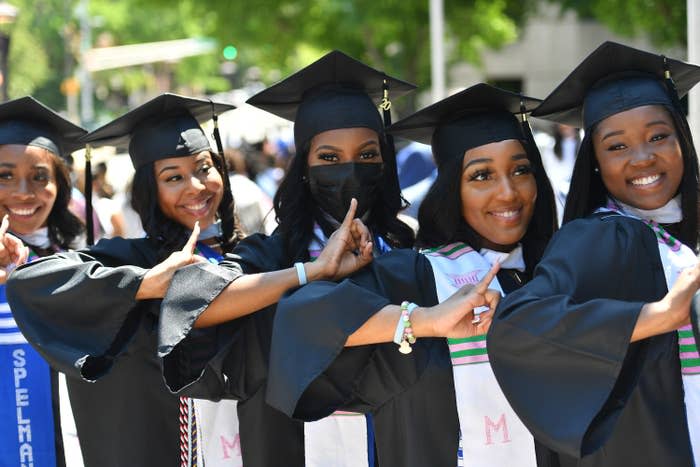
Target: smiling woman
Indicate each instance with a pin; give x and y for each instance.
(34, 195)
(601, 333)
(189, 189)
(639, 156)
(498, 193)
(28, 186)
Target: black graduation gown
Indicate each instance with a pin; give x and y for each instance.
(230, 361)
(560, 350)
(411, 396)
(78, 309)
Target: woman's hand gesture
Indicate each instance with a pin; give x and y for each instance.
(157, 280)
(347, 250)
(13, 252)
(455, 316)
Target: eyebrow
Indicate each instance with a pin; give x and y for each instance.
(515, 157)
(613, 133)
(621, 132)
(170, 167)
(658, 122)
(335, 148)
(8, 165)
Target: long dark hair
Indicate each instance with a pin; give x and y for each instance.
(588, 192)
(170, 234)
(296, 210)
(440, 214)
(64, 226)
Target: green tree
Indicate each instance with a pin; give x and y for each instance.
(279, 36)
(665, 21)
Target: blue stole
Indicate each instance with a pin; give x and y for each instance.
(27, 428)
(208, 252)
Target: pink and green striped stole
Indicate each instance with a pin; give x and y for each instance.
(688, 348)
(468, 350)
(690, 360)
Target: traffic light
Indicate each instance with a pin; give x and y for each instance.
(230, 52)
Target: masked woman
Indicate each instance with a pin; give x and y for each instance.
(491, 203)
(93, 313)
(35, 191)
(342, 153)
(595, 354)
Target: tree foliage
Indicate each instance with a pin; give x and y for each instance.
(665, 21)
(276, 37)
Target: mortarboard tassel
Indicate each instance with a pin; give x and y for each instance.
(227, 219)
(527, 130)
(89, 226)
(673, 92)
(385, 105)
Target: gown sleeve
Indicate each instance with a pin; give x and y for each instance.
(560, 345)
(214, 362)
(312, 374)
(78, 309)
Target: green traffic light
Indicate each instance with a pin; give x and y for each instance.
(230, 52)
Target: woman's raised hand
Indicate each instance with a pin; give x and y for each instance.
(157, 280)
(13, 252)
(455, 316)
(348, 249)
(678, 299)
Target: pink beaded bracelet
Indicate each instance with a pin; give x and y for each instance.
(403, 336)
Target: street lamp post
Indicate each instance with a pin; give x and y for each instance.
(8, 14)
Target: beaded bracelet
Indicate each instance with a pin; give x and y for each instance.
(403, 336)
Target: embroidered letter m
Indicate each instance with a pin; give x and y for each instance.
(491, 428)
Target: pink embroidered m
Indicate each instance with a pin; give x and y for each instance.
(231, 445)
(491, 428)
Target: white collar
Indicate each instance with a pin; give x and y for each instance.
(214, 230)
(670, 213)
(39, 238)
(509, 259)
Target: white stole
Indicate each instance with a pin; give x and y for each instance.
(491, 434)
(674, 262)
(339, 440)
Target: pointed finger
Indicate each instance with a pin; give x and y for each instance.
(484, 283)
(350, 214)
(192, 241)
(4, 225)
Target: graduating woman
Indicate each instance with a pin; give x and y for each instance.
(35, 191)
(93, 313)
(594, 354)
(490, 204)
(342, 153)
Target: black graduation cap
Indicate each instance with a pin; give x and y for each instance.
(615, 78)
(29, 122)
(166, 126)
(478, 115)
(336, 91)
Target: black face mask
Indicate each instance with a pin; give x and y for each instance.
(333, 186)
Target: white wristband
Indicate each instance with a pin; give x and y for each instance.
(301, 273)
